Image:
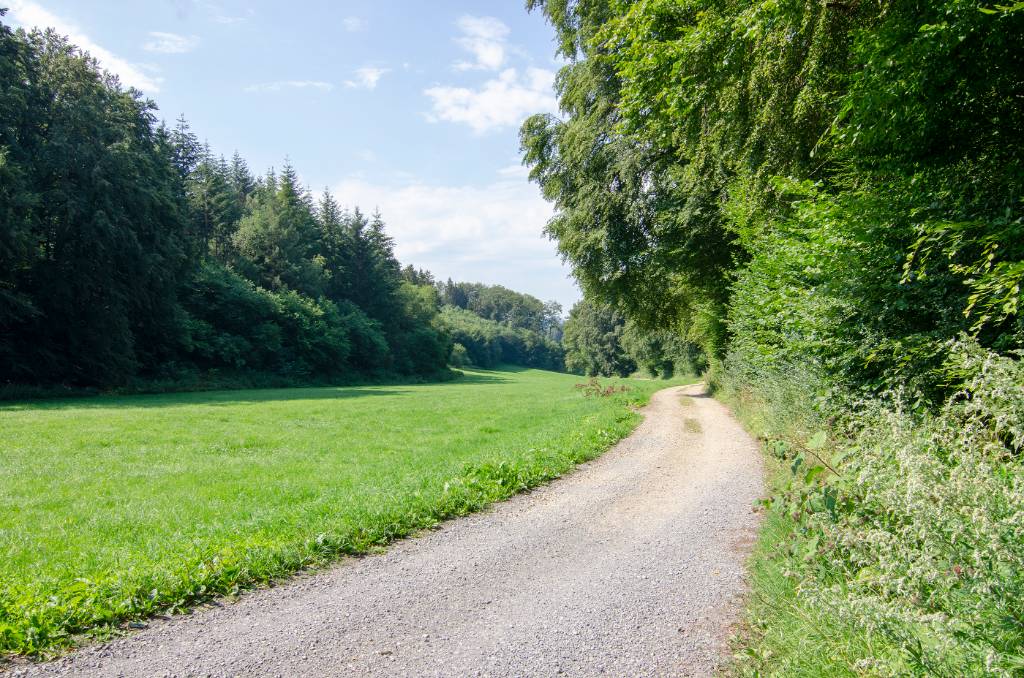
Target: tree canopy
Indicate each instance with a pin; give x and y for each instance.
(722, 170)
(129, 250)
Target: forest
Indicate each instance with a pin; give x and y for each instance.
(826, 199)
(129, 250)
(132, 254)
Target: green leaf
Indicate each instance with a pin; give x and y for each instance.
(817, 441)
(813, 473)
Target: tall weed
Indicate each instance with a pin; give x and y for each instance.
(907, 534)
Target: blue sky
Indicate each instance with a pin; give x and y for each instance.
(409, 106)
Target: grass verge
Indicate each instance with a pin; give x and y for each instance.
(115, 508)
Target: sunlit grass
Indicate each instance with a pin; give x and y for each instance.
(116, 507)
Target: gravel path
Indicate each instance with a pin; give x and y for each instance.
(631, 566)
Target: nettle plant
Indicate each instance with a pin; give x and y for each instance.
(915, 529)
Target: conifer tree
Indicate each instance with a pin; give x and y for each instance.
(277, 239)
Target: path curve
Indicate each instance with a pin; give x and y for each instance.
(632, 565)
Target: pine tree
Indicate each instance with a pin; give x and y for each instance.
(278, 238)
(241, 179)
(334, 245)
(188, 152)
(213, 205)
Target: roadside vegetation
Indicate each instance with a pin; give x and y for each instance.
(115, 508)
(827, 198)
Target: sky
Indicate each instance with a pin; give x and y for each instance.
(408, 106)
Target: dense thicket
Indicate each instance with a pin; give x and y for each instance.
(827, 197)
(836, 182)
(129, 250)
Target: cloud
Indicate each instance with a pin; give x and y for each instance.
(491, 232)
(367, 77)
(517, 171)
(218, 15)
(170, 43)
(279, 85)
(504, 101)
(32, 15)
(354, 24)
(484, 38)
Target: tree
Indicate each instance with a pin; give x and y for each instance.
(718, 160)
(277, 239)
(240, 179)
(129, 250)
(417, 276)
(214, 205)
(593, 341)
(95, 295)
(639, 230)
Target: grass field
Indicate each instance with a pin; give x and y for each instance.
(113, 508)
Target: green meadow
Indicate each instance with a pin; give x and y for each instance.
(115, 508)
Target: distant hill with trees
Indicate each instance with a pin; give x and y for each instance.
(491, 324)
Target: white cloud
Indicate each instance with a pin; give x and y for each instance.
(504, 101)
(367, 77)
(492, 232)
(170, 43)
(484, 38)
(279, 85)
(354, 24)
(517, 171)
(218, 15)
(32, 15)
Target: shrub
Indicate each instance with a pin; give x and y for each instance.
(459, 356)
(912, 534)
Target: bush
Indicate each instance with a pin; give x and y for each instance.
(459, 356)
(234, 325)
(910, 535)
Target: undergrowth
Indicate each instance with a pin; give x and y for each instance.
(894, 542)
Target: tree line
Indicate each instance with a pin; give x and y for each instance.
(828, 199)
(491, 324)
(722, 172)
(600, 340)
(130, 252)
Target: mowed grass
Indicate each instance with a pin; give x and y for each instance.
(114, 508)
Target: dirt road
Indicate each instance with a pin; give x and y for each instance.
(631, 566)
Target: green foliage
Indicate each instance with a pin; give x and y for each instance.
(702, 135)
(94, 238)
(236, 326)
(129, 252)
(488, 343)
(117, 508)
(502, 305)
(593, 341)
(905, 535)
(459, 356)
(662, 353)
(826, 197)
(277, 241)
